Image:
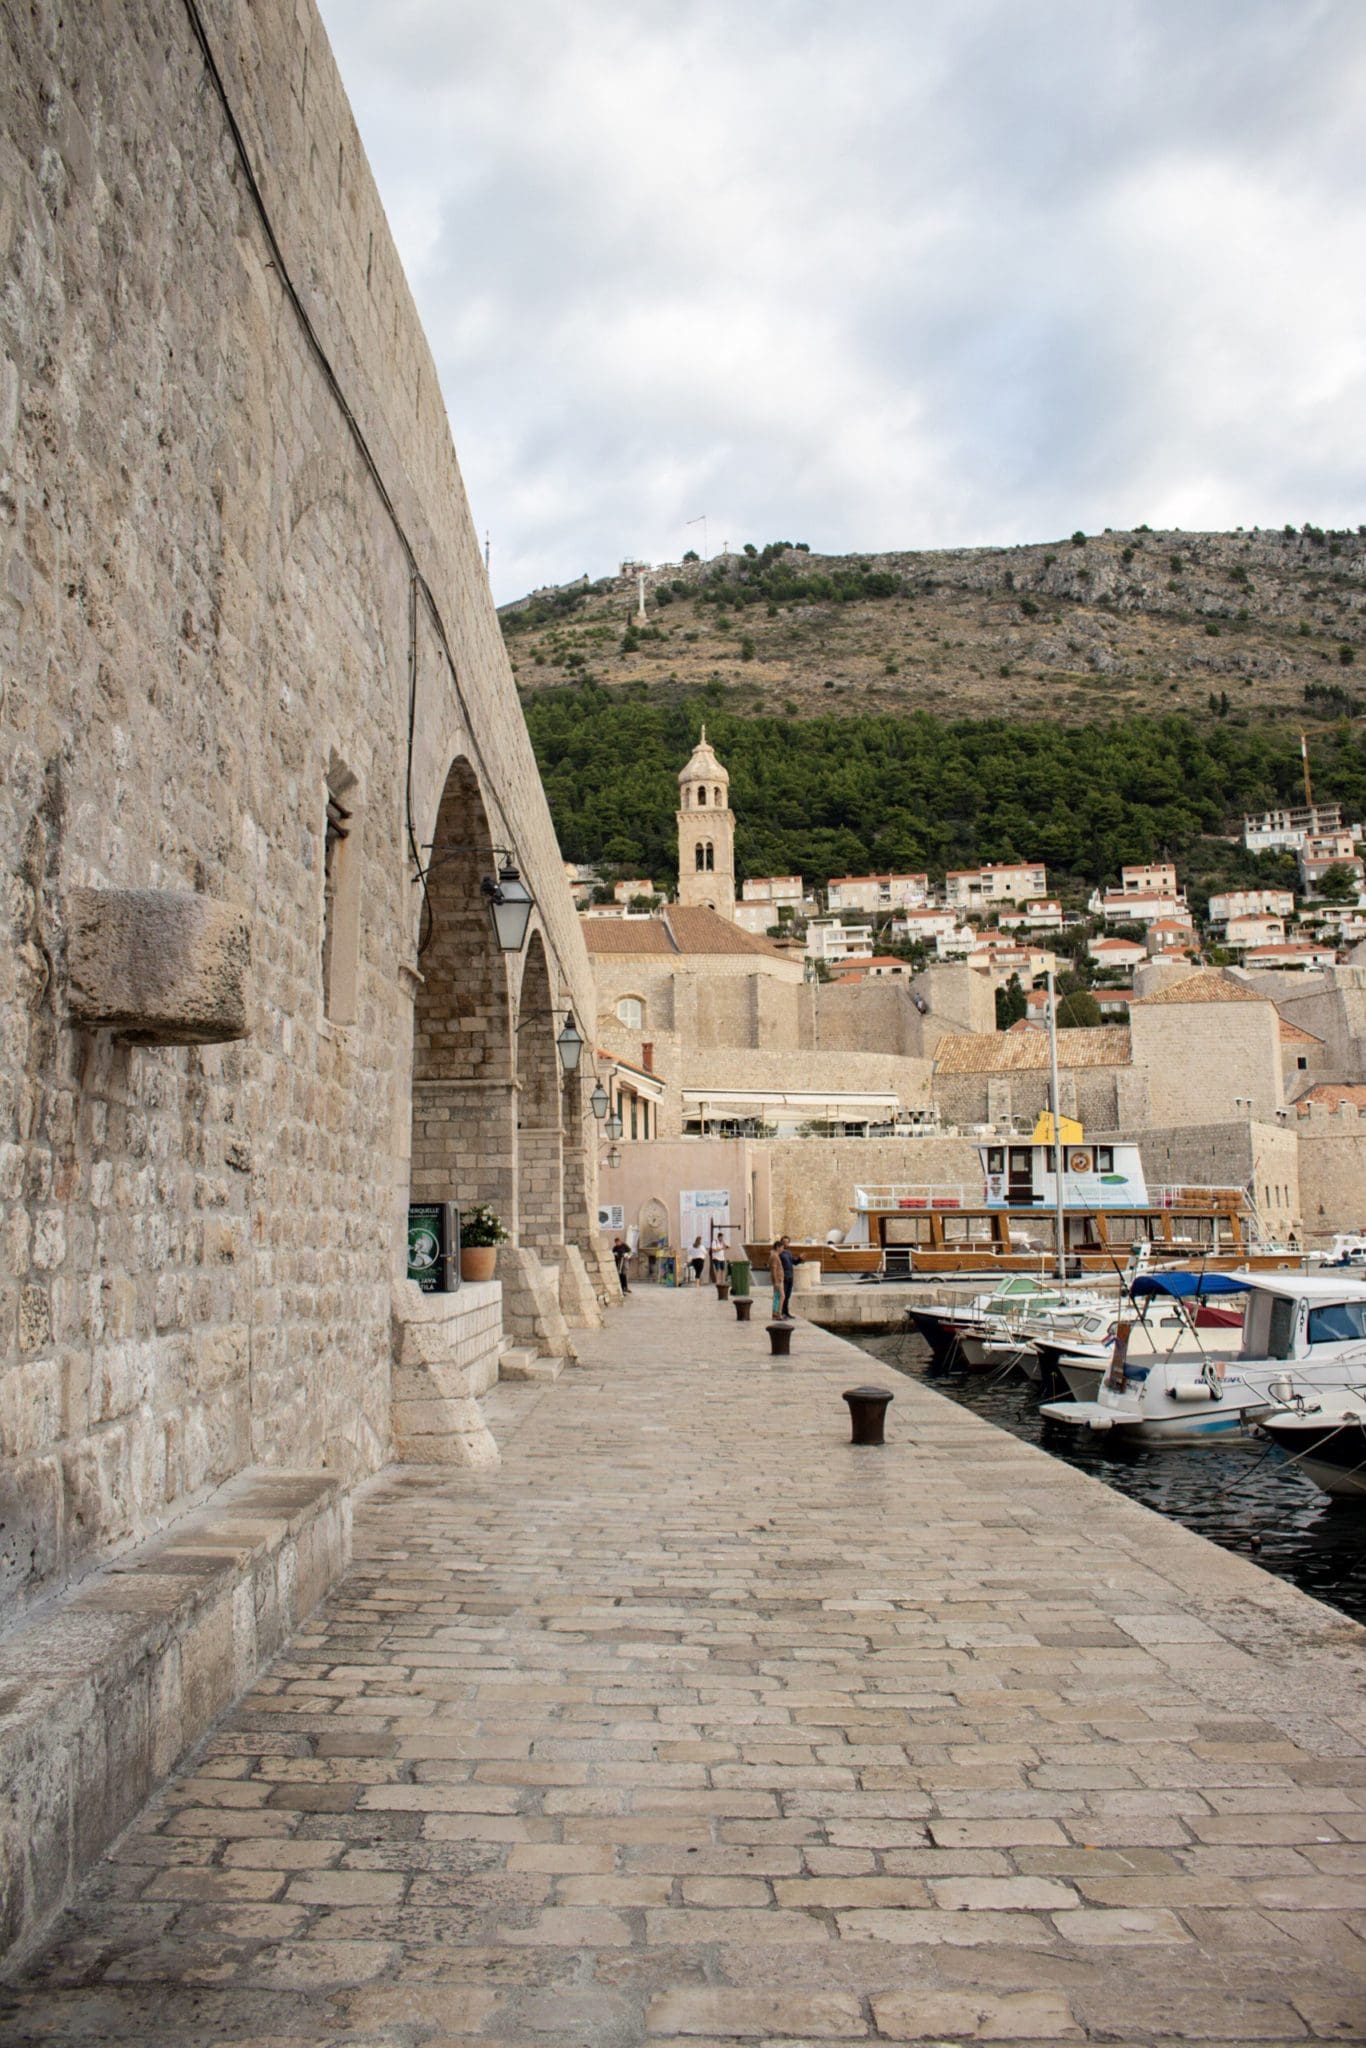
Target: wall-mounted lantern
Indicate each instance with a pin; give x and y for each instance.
(510, 906)
(570, 1043)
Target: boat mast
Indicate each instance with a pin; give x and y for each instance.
(1057, 1119)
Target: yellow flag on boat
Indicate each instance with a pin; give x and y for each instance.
(1043, 1129)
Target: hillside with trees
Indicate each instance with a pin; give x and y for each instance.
(1106, 699)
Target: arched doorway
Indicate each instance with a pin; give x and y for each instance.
(540, 1162)
(464, 1134)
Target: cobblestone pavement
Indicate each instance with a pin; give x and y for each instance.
(696, 1723)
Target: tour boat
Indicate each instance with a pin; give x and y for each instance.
(1324, 1434)
(1007, 1222)
(1303, 1332)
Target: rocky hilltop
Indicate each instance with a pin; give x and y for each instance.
(1256, 625)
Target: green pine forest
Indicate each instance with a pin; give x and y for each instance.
(848, 795)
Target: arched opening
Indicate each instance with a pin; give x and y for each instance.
(710, 852)
(716, 798)
(540, 1159)
(699, 857)
(463, 1126)
(702, 794)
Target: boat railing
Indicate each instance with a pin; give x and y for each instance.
(915, 1195)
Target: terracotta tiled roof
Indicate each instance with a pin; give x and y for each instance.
(625, 935)
(1332, 1094)
(1295, 1034)
(1208, 985)
(698, 930)
(1011, 1052)
(682, 928)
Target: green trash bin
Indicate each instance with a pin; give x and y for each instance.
(739, 1277)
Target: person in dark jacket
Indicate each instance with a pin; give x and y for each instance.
(621, 1252)
(782, 1269)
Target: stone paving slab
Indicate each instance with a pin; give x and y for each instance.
(694, 1723)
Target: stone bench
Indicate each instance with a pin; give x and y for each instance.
(104, 1692)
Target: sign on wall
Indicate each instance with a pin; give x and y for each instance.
(611, 1216)
(704, 1213)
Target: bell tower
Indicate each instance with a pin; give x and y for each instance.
(706, 833)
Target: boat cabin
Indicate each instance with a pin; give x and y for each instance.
(1022, 1174)
(1292, 1317)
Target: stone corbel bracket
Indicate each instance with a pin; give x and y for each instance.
(157, 966)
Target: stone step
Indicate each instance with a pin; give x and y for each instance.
(520, 1362)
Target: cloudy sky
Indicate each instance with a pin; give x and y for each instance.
(909, 273)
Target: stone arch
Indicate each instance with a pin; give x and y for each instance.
(540, 1151)
(464, 1127)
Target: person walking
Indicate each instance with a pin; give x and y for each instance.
(697, 1259)
(621, 1252)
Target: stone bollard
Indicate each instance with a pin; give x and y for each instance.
(743, 1304)
(780, 1339)
(868, 1413)
(723, 1290)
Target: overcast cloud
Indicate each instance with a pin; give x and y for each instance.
(924, 274)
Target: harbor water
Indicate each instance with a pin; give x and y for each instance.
(1242, 1496)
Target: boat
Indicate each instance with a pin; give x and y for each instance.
(1078, 1360)
(1009, 1339)
(1301, 1332)
(1324, 1434)
(1007, 1221)
(1348, 1248)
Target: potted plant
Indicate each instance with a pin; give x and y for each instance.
(481, 1233)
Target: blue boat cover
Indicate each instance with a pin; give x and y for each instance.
(1182, 1285)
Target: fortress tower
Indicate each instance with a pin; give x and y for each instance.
(706, 833)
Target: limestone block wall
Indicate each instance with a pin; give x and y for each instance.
(874, 1014)
(1197, 1057)
(1332, 1170)
(1333, 1007)
(212, 620)
(1232, 1152)
(813, 1179)
(1091, 1094)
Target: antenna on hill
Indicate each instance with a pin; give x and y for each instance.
(701, 520)
(1304, 756)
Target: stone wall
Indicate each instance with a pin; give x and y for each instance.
(1333, 1007)
(1201, 1060)
(1232, 1152)
(1332, 1171)
(223, 605)
(1091, 1094)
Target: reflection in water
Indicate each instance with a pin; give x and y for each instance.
(1241, 1496)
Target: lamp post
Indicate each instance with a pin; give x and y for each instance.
(599, 1102)
(613, 1156)
(614, 1125)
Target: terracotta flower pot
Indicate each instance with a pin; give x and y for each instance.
(477, 1261)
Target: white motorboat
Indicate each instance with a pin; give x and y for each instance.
(1305, 1332)
(1080, 1358)
(1324, 1434)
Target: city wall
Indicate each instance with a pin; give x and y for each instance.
(240, 589)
